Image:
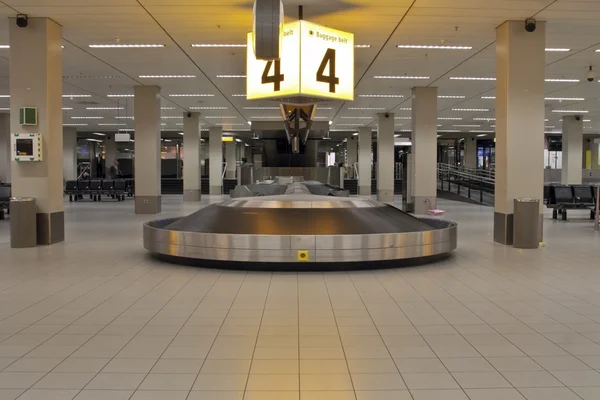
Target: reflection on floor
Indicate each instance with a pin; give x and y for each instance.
(96, 318)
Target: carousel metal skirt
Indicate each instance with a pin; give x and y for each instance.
(300, 232)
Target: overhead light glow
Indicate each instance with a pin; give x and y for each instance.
(105, 108)
(208, 108)
(416, 46)
(471, 109)
(239, 95)
(112, 124)
(488, 97)
(362, 46)
(383, 96)
(98, 134)
(76, 95)
(87, 117)
(471, 78)
(356, 117)
(125, 46)
(264, 117)
(91, 77)
(261, 108)
(450, 118)
(191, 95)
(94, 140)
(556, 49)
(402, 117)
(482, 135)
(67, 108)
(166, 76)
(467, 126)
(217, 45)
(119, 95)
(171, 117)
(571, 111)
(480, 131)
(366, 108)
(167, 108)
(75, 124)
(451, 97)
(219, 117)
(400, 77)
(124, 117)
(565, 98)
(231, 76)
(562, 80)
(484, 119)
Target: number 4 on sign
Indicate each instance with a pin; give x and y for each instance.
(329, 58)
(277, 76)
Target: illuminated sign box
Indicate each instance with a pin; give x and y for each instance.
(26, 147)
(317, 63)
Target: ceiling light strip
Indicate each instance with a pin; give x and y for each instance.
(416, 46)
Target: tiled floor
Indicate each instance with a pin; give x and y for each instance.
(95, 318)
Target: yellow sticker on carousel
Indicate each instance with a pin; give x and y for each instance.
(302, 255)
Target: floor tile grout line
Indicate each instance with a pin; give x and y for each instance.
(217, 335)
(451, 295)
(93, 336)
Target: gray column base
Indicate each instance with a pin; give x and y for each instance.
(50, 228)
(422, 204)
(147, 204)
(191, 195)
(216, 190)
(385, 196)
(503, 228)
(364, 191)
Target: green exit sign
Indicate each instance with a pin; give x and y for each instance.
(28, 116)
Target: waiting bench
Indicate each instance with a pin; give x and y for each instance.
(571, 197)
(96, 188)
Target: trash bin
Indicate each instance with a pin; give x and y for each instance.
(23, 222)
(526, 224)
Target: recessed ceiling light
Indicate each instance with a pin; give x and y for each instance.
(366, 108)
(231, 76)
(471, 78)
(450, 130)
(125, 117)
(484, 119)
(105, 108)
(451, 97)
(112, 124)
(219, 117)
(167, 108)
(208, 108)
(450, 118)
(216, 45)
(400, 77)
(179, 124)
(362, 46)
(87, 117)
(229, 124)
(124, 46)
(480, 135)
(356, 117)
(467, 126)
(166, 76)
(75, 124)
(404, 109)
(571, 111)
(261, 108)
(180, 133)
(191, 95)
(76, 95)
(565, 99)
(413, 46)
(557, 49)
(587, 120)
(488, 97)
(4, 46)
(127, 130)
(480, 131)
(383, 96)
(239, 95)
(91, 77)
(67, 108)
(561, 80)
(171, 117)
(402, 117)
(348, 124)
(471, 109)
(119, 95)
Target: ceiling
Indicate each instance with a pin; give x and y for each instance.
(382, 24)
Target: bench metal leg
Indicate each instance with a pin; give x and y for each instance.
(592, 215)
(554, 214)
(1, 214)
(564, 215)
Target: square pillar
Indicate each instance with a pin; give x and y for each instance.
(5, 153)
(572, 150)
(595, 153)
(352, 154)
(215, 159)
(365, 160)
(470, 160)
(230, 159)
(147, 149)
(191, 156)
(385, 158)
(69, 153)
(110, 155)
(36, 81)
(520, 66)
(424, 149)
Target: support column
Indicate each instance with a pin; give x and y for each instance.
(470, 151)
(385, 158)
(595, 152)
(365, 148)
(352, 153)
(424, 149)
(110, 156)
(36, 81)
(572, 150)
(215, 159)
(147, 149)
(69, 154)
(5, 155)
(230, 159)
(191, 156)
(520, 65)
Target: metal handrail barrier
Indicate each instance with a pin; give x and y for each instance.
(224, 170)
(356, 171)
(460, 177)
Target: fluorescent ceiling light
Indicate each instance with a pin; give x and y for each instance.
(87, 117)
(94, 140)
(450, 118)
(217, 45)
(231, 76)
(356, 117)
(239, 95)
(402, 117)
(191, 95)
(112, 124)
(166, 76)
(4, 96)
(400, 77)
(75, 124)
(381, 95)
(167, 108)
(105, 108)
(414, 46)
(488, 97)
(587, 120)
(366, 108)
(355, 134)
(571, 111)
(180, 133)
(565, 98)
(261, 108)
(404, 109)
(449, 130)
(4, 46)
(471, 109)
(125, 46)
(348, 124)
(230, 124)
(263, 117)
(179, 124)
(550, 127)
(362, 46)
(467, 126)
(480, 131)
(171, 117)
(119, 95)
(67, 108)
(484, 119)
(126, 130)
(220, 117)
(98, 134)
(124, 117)
(471, 78)
(208, 108)
(481, 135)
(452, 97)
(561, 80)
(91, 77)
(557, 49)
(76, 95)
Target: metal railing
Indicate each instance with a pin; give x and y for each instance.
(474, 184)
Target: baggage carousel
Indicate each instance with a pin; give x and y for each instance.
(299, 230)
